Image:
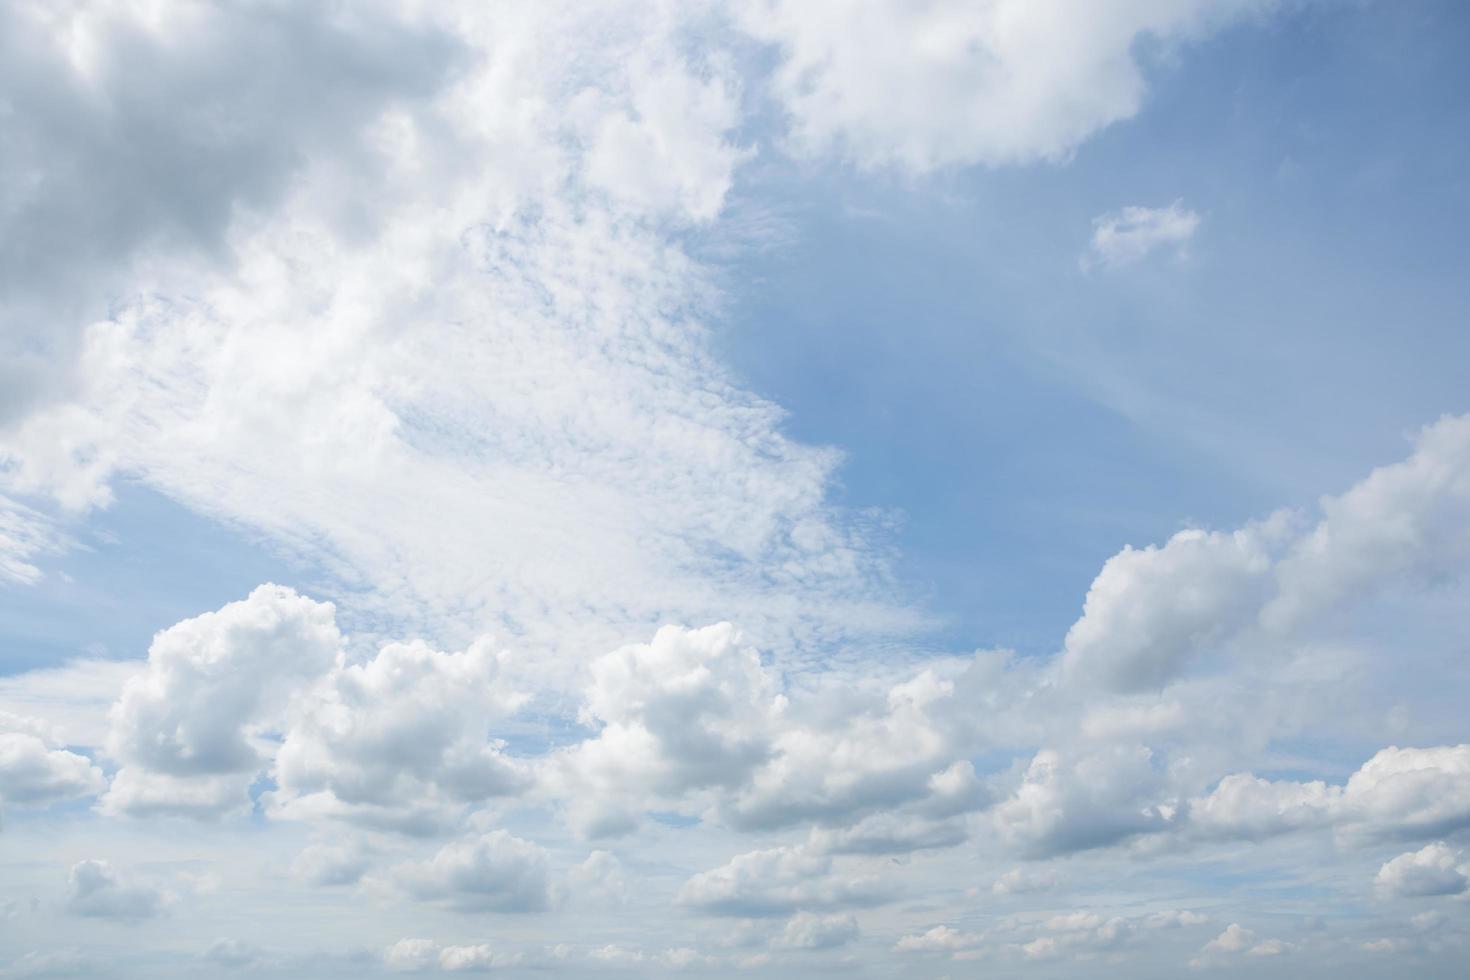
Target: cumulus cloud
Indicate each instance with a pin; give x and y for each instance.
(693, 709)
(185, 729)
(1398, 793)
(95, 890)
(779, 881)
(1149, 610)
(495, 872)
(35, 771)
(940, 939)
(1069, 803)
(1123, 237)
(424, 955)
(387, 741)
(920, 86)
(1434, 869)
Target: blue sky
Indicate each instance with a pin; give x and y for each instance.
(945, 489)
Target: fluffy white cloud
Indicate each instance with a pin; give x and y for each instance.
(1398, 793)
(694, 709)
(495, 872)
(940, 939)
(880, 754)
(185, 729)
(95, 890)
(388, 741)
(1128, 235)
(779, 881)
(1076, 802)
(424, 955)
(35, 771)
(1434, 869)
(1405, 522)
(1149, 610)
(944, 83)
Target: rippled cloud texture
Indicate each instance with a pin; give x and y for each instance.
(583, 662)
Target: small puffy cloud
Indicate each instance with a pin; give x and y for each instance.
(940, 939)
(1435, 869)
(1404, 522)
(1234, 939)
(496, 872)
(95, 890)
(807, 930)
(1125, 236)
(35, 771)
(410, 955)
(1077, 932)
(778, 881)
(212, 685)
(425, 955)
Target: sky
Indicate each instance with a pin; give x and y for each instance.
(771, 488)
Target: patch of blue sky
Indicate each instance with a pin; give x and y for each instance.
(1029, 417)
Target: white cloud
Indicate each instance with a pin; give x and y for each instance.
(213, 684)
(694, 709)
(779, 881)
(34, 771)
(807, 930)
(1125, 236)
(1069, 803)
(920, 86)
(388, 741)
(95, 890)
(1398, 793)
(1434, 869)
(495, 872)
(940, 939)
(1149, 610)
